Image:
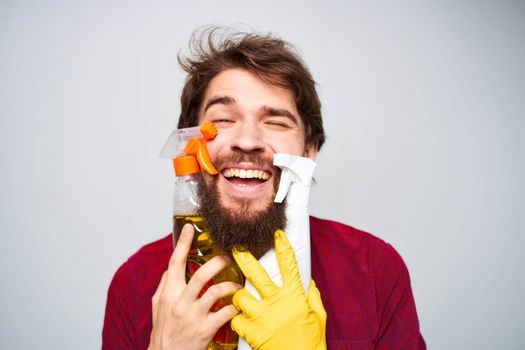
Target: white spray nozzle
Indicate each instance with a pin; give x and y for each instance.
(294, 169)
(296, 178)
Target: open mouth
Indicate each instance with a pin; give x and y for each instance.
(246, 177)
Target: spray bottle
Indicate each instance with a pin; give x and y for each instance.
(296, 179)
(187, 148)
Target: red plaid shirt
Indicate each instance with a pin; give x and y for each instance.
(363, 282)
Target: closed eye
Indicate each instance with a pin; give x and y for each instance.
(278, 124)
(222, 121)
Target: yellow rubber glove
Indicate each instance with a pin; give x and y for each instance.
(285, 318)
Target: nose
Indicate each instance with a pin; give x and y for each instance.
(248, 138)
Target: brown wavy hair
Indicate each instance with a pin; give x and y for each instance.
(273, 60)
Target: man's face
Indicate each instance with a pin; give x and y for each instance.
(255, 120)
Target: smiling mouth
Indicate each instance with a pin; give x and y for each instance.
(246, 177)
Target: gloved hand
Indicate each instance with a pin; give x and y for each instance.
(285, 318)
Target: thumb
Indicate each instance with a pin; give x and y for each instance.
(315, 302)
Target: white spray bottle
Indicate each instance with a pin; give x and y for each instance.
(296, 179)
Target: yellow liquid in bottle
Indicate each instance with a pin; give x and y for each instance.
(201, 251)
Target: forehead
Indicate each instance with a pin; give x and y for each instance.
(249, 92)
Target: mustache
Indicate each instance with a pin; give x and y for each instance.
(238, 157)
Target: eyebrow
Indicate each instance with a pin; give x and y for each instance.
(278, 112)
(223, 100)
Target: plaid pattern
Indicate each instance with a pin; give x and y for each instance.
(363, 281)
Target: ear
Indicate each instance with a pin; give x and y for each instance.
(310, 150)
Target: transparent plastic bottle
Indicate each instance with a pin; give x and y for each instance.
(203, 248)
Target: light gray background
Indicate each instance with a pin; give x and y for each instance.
(424, 110)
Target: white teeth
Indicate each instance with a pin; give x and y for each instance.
(246, 174)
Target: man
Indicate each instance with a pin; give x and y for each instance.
(262, 99)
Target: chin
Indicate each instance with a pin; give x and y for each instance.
(246, 208)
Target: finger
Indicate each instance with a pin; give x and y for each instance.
(246, 302)
(177, 264)
(156, 295)
(255, 273)
(216, 292)
(160, 287)
(222, 316)
(315, 301)
(286, 259)
(240, 325)
(205, 273)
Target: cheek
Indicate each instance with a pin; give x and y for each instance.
(288, 146)
(291, 142)
(216, 145)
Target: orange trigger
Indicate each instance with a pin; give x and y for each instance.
(197, 147)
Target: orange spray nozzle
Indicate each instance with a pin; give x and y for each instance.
(197, 147)
(208, 131)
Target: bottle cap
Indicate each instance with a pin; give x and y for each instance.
(185, 165)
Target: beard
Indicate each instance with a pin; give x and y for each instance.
(242, 228)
